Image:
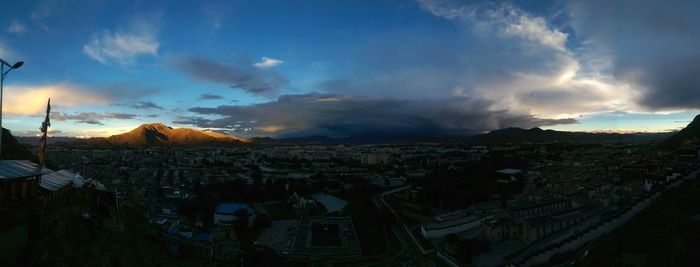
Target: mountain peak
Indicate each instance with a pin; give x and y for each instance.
(155, 126)
(159, 134)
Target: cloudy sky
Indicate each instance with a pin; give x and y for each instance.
(339, 68)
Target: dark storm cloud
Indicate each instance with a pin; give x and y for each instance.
(419, 67)
(91, 117)
(242, 75)
(651, 45)
(185, 120)
(143, 105)
(494, 51)
(209, 96)
(126, 90)
(336, 115)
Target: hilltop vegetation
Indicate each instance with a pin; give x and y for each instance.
(12, 149)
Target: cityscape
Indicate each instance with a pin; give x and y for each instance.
(344, 133)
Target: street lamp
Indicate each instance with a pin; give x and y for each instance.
(2, 80)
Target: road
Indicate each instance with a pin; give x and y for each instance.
(410, 254)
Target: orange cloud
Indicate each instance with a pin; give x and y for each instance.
(31, 100)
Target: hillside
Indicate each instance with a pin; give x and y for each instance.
(158, 134)
(690, 133)
(12, 149)
(537, 135)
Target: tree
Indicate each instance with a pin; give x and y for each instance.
(468, 248)
(242, 221)
(262, 256)
(262, 221)
(188, 208)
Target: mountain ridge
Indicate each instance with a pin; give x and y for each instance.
(161, 135)
(538, 135)
(688, 133)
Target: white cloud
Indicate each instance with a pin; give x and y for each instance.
(42, 12)
(4, 51)
(8, 53)
(16, 27)
(266, 62)
(31, 100)
(123, 47)
(539, 73)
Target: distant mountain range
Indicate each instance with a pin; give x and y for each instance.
(160, 135)
(537, 135)
(34, 140)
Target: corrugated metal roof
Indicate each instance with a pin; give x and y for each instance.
(56, 180)
(14, 169)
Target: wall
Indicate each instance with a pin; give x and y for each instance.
(544, 255)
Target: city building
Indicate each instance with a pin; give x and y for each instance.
(325, 238)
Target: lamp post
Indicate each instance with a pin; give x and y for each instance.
(2, 80)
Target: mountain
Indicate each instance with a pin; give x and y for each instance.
(158, 134)
(307, 140)
(689, 133)
(12, 149)
(537, 135)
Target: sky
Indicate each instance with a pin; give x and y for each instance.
(343, 68)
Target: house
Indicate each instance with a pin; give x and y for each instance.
(57, 185)
(509, 175)
(502, 228)
(523, 209)
(19, 180)
(325, 238)
(536, 228)
(374, 159)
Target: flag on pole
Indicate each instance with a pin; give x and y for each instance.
(44, 130)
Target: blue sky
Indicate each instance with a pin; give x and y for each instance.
(340, 68)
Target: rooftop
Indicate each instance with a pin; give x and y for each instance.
(15, 169)
(57, 180)
(452, 223)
